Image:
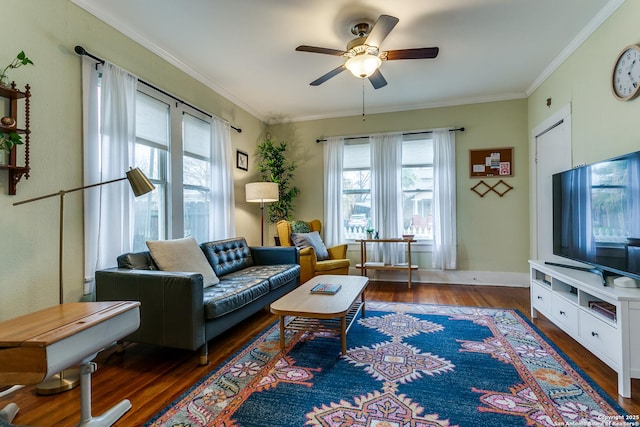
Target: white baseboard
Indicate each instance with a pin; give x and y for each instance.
(452, 277)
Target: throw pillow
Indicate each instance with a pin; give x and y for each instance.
(313, 239)
(182, 255)
(300, 227)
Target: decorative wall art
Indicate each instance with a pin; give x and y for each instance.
(242, 160)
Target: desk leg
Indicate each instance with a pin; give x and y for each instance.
(109, 417)
(282, 332)
(8, 413)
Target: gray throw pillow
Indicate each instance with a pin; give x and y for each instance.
(313, 239)
(182, 255)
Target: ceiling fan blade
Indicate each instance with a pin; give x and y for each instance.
(419, 53)
(381, 30)
(325, 50)
(327, 76)
(377, 80)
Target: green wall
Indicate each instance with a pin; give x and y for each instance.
(48, 31)
(493, 231)
(602, 126)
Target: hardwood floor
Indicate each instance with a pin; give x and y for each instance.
(152, 377)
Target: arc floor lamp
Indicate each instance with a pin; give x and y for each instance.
(140, 185)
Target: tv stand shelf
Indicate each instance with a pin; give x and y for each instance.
(601, 318)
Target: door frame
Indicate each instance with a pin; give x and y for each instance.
(562, 115)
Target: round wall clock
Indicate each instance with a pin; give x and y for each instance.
(625, 80)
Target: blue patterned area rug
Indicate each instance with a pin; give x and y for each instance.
(406, 365)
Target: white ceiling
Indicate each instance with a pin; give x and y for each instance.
(244, 49)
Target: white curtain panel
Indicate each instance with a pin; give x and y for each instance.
(444, 200)
(333, 229)
(223, 222)
(109, 208)
(386, 185)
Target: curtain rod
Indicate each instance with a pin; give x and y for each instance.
(82, 51)
(404, 134)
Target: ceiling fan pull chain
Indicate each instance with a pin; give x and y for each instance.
(363, 119)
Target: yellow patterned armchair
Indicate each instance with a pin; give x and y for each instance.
(310, 266)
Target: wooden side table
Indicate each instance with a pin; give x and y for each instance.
(40, 344)
(364, 265)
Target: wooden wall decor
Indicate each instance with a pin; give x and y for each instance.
(491, 162)
(500, 188)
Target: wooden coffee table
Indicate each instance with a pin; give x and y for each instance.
(322, 313)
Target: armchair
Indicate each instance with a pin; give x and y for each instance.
(310, 265)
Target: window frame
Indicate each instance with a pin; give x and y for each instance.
(174, 185)
(422, 244)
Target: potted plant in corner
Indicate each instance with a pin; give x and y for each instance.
(20, 60)
(275, 167)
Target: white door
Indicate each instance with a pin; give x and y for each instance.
(552, 155)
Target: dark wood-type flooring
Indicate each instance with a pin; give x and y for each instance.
(152, 377)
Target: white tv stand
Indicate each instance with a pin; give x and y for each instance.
(563, 295)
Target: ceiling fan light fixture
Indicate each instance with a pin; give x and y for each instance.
(363, 65)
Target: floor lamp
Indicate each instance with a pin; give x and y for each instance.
(262, 192)
(140, 184)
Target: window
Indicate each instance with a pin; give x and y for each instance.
(609, 199)
(152, 156)
(417, 187)
(196, 166)
(173, 148)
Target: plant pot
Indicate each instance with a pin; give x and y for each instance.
(4, 157)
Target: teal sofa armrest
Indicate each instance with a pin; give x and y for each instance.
(171, 308)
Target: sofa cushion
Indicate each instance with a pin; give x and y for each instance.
(182, 255)
(332, 264)
(227, 256)
(233, 292)
(276, 274)
(313, 239)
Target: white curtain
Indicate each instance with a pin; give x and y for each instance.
(222, 218)
(333, 221)
(109, 136)
(386, 190)
(444, 200)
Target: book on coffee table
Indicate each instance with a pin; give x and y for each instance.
(326, 288)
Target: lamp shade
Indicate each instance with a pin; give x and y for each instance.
(363, 65)
(262, 192)
(140, 184)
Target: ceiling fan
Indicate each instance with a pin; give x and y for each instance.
(363, 53)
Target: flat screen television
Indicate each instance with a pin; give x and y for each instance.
(596, 215)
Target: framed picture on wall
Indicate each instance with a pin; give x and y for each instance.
(242, 160)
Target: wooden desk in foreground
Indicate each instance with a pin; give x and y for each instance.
(40, 344)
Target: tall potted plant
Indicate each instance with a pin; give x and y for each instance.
(274, 166)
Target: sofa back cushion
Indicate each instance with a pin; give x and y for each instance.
(227, 256)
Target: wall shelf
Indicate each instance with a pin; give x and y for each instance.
(16, 172)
